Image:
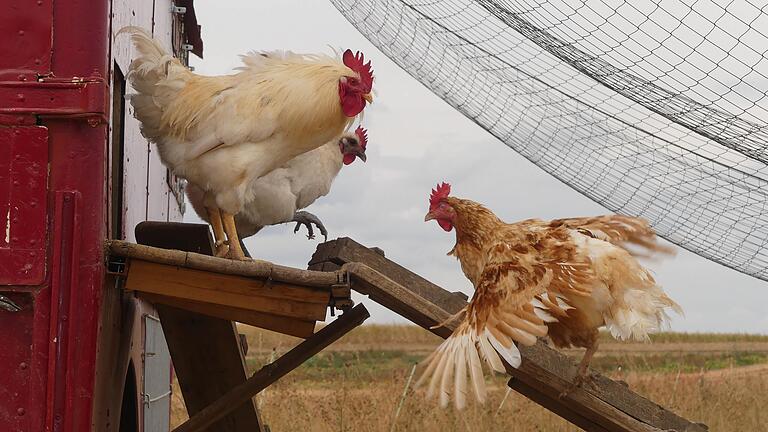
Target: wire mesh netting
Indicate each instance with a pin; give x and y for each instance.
(653, 108)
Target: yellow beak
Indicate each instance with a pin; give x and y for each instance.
(429, 217)
(368, 97)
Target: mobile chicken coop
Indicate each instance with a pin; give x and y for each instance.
(81, 303)
(71, 159)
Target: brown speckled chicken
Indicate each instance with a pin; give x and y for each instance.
(565, 278)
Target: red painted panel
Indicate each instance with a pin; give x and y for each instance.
(65, 39)
(23, 204)
(79, 164)
(15, 365)
(25, 48)
(63, 292)
(76, 268)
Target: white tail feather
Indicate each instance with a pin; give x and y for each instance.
(511, 354)
(640, 313)
(461, 356)
(460, 379)
(488, 354)
(476, 374)
(439, 371)
(445, 382)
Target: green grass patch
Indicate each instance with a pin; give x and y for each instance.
(674, 362)
(374, 365)
(366, 366)
(675, 337)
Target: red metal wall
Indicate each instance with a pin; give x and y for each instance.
(74, 335)
(53, 103)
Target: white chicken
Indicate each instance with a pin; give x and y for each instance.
(223, 132)
(276, 197)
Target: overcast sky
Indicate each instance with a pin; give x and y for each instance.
(416, 140)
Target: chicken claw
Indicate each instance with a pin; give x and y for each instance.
(582, 376)
(8, 305)
(222, 248)
(579, 381)
(307, 219)
(222, 245)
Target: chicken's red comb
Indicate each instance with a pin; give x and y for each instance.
(355, 62)
(440, 192)
(362, 134)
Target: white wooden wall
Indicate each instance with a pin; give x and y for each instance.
(146, 196)
(146, 193)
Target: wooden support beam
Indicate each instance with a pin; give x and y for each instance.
(280, 324)
(205, 350)
(544, 373)
(275, 370)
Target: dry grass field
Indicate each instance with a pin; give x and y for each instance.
(717, 379)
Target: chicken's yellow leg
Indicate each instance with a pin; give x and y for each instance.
(214, 216)
(235, 251)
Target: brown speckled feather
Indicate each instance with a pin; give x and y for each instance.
(620, 230)
(522, 273)
(565, 279)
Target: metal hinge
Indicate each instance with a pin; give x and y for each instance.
(150, 400)
(79, 98)
(115, 265)
(178, 9)
(341, 296)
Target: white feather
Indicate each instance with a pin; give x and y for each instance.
(544, 315)
(489, 354)
(274, 198)
(447, 374)
(460, 381)
(561, 302)
(476, 373)
(439, 371)
(511, 355)
(431, 361)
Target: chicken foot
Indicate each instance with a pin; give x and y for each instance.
(235, 251)
(221, 245)
(582, 376)
(307, 219)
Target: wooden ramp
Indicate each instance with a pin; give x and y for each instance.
(544, 372)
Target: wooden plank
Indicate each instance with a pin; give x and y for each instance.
(231, 284)
(544, 371)
(205, 351)
(275, 370)
(256, 268)
(280, 324)
(227, 290)
(330, 255)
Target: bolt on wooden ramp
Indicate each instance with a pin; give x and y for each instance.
(542, 376)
